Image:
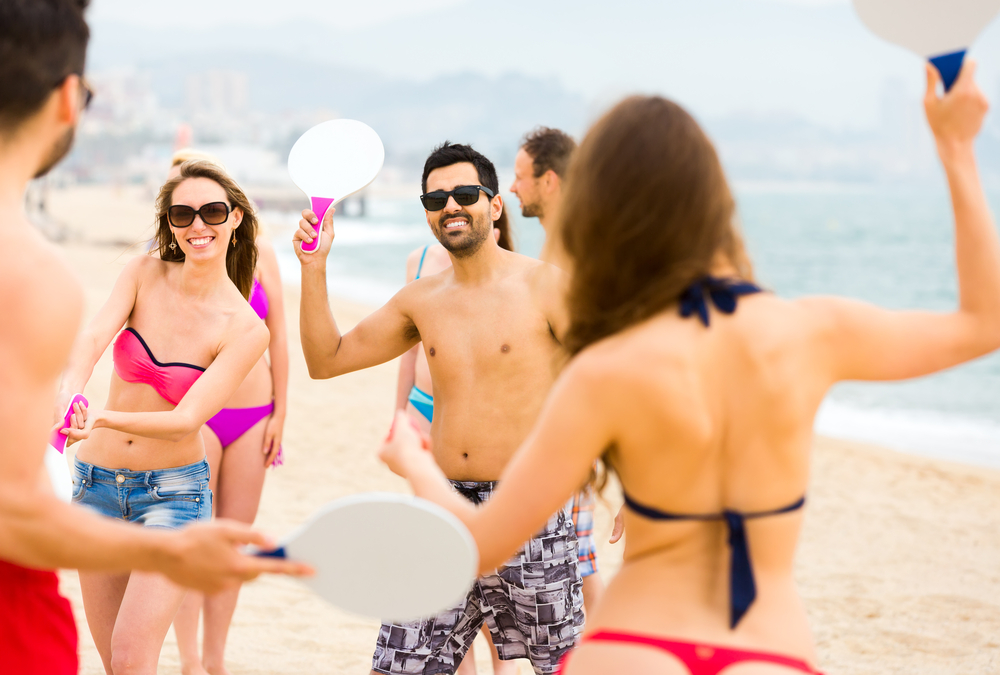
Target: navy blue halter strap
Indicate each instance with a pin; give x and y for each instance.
(722, 292)
(742, 588)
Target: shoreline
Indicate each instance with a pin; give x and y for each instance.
(896, 563)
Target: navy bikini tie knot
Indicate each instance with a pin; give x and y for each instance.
(722, 292)
(742, 588)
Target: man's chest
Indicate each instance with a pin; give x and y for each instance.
(485, 333)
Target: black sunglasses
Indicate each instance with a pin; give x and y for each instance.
(88, 93)
(465, 195)
(181, 215)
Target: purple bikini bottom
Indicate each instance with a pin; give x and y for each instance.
(231, 423)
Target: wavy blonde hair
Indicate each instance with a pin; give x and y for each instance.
(241, 258)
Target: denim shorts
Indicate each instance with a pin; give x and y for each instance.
(166, 498)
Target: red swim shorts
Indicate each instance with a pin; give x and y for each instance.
(37, 630)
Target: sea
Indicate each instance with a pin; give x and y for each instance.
(891, 246)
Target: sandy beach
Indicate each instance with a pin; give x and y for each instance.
(899, 564)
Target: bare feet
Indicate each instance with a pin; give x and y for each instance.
(219, 669)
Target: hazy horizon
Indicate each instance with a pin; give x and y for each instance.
(809, 59)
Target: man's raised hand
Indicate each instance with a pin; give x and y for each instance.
(307, 232)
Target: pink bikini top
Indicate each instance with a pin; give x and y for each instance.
(134, 362)
(258, 300)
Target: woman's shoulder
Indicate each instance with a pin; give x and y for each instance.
(427, 260)
(148, 265)
(622, 358)
(243, 322)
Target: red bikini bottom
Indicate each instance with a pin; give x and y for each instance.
(700, 659)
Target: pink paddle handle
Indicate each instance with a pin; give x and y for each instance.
(320, 205)
(58, 440)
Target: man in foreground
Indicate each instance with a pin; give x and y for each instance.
(488, 326)
(42, 93)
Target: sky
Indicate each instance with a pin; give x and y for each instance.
(345, 13)
(185, 13)
(807, 58)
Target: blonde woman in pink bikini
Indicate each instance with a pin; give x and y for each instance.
(241, 441)
(186, 340)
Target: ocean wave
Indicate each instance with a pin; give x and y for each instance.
(922, 432)
(357, 231)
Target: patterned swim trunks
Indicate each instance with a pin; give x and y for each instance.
(532, 605)
(583, 521)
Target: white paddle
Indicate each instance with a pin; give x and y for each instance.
(331, 162)
(939, 30)
(386, 556)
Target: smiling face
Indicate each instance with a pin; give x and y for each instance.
(200, 241)
(461, 229)
(526, 186)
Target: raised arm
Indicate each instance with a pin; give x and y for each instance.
(380, 337)
(865, 342)
(551, 465)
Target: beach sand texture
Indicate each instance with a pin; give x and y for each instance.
(899, 564)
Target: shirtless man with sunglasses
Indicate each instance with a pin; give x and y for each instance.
(489, 327)
(41, 98)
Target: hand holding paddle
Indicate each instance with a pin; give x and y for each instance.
(80, 421)
(956, 118)
(307, 234)
(938, 30)
(57, 439)
(207, 557)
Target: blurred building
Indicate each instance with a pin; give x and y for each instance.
(217, 92)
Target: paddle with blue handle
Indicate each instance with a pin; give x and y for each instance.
(331, 162)
(939, 30)
(385, 556)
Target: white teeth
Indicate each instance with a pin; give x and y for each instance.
(456, 223)
(200, 241)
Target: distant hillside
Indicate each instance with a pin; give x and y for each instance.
(493, 113)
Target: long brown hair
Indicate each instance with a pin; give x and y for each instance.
(506, 239)
(241, 258)
(646, 211)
